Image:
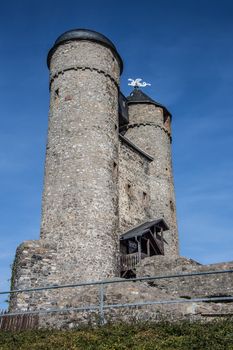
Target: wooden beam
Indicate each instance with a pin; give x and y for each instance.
(148, 247)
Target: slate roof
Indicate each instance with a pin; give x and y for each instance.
(84, 34)
(137, 96)
(143, 228)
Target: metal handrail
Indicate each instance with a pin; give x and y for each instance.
(119, 280)
(101, 306)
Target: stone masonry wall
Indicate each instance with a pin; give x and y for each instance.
(134, 192)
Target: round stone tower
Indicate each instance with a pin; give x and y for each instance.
(80, 199)
(149, 128)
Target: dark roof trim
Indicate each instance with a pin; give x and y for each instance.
(144, 228)
(136, 148)
(85, 34)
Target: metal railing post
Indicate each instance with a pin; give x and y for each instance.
(101, 304)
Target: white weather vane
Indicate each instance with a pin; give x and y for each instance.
(136, 83)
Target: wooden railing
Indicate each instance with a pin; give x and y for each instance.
(18, 322)
(129, 261)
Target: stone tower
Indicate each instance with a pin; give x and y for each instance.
(80, 199)
(149, 127)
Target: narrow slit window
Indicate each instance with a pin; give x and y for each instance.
(115, 169)
(144, 197)
(57, 92)
(128, 188)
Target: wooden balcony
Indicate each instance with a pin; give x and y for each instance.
(144, 240)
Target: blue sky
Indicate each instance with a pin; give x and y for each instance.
(183, 48)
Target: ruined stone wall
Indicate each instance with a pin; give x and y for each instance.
(35, 257)
(148, 129)
(180, 289)
(134, 193)
(35, 265)
(188, 287)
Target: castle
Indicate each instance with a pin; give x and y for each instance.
(108, 202)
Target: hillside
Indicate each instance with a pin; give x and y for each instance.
(216, 335)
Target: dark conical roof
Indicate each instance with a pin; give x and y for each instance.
(137, 96)
(85, 34)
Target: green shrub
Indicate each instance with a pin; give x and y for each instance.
(217, 335)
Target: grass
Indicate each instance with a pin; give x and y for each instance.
(216, 335)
